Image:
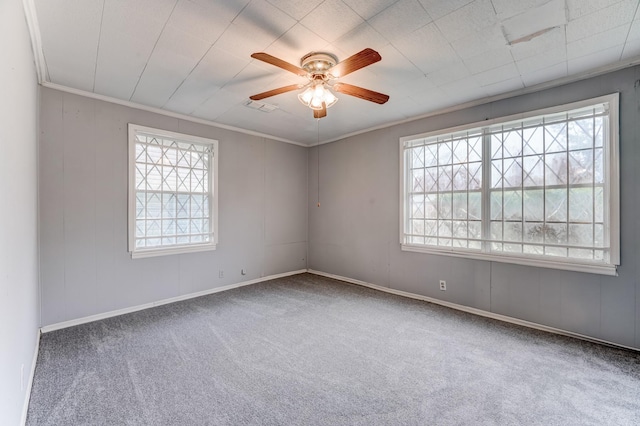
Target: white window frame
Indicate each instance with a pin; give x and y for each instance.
(612, 196)
(135, 129)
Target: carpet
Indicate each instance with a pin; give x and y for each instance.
(309, 350)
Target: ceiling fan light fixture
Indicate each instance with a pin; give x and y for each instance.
(314, 96)
(321, 68)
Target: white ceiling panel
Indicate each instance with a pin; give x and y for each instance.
(632, 45)
(427, 49)
(295, 8)
(213, 72)
(248, 34)
(490, 38)
(219, 103)
(595, 60)
(602, 20)
(489, 60)
(254, 76)
(468, 20)
(578, 8)
(439, 8)
(173, 58)
(496, 75)
(460, 91)
(193, 56)
(121, 60)
(597, 42)
(413, 87)
(369, 8)
(546, 74)
(457, 71)
(359, 38)
(332, 19)
(70, 31)
(509, 8)
(551, 57)
(128, 35)
(225, 9)
(395, 69)
(296, 43)
(206, 23)
(401, 18)
(504, 86)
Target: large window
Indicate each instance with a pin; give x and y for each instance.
(537, 189)
(172, 192)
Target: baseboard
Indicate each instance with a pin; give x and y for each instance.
(27, 396)
(474, 311)
(91, 318)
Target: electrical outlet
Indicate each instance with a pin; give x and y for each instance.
(220, 273)
(443, 285)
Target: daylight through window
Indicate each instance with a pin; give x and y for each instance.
(541, 189)
(172, 200)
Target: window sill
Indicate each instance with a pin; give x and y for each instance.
(602, 269)
(166, 251)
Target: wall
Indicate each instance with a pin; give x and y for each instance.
(19, 307)
(355, 232)
(85, 266)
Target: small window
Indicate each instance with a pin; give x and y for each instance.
(172, 192)
(538, 189)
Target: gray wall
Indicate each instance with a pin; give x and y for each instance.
(19, 308)
(85, 266)
(355, 232)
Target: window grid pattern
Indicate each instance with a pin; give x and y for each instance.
(172, 192)
(544, 193)
(445, 191)
(547, 186)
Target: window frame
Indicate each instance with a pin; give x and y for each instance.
(136, 253)
(611, 185)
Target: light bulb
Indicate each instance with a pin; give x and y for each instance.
(329, 98)
(315, 96)
(316, 103)
(305, 97)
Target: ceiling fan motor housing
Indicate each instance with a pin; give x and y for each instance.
(318, 62)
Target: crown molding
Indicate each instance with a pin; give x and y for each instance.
(36, 41)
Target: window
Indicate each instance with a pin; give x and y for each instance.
(536, 189)
(172, 192)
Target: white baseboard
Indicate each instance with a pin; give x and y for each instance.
(91, 318)
(475, 311)
(27, 396)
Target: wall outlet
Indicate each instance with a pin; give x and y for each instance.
(443, 285)
(220, 273)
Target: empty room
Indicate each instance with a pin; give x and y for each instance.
(320, 212)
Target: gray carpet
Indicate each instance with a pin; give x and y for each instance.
(307, 350)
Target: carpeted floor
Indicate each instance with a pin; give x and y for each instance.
(308, 350)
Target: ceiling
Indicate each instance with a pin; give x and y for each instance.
(192, 57)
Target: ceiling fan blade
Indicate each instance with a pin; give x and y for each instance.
(265, 57)
(319, 113)
(359, 92)
(355, 62)
(274, 92)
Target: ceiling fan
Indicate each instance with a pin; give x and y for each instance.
(321, 69)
